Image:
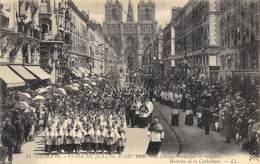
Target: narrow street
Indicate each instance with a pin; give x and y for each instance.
(192, 139)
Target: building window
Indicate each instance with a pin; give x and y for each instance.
(223, 62)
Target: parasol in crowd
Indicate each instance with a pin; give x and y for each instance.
(86, 85)
(86, 79)
(75, 85)
(257, 127)
(22, 105)
(39, 97)
(75, 88)
(93, 83)
(48, 88)
(61, 91)
(41, 91)
(23, 96)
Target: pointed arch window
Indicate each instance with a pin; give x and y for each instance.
(147, 13)
(114, 14)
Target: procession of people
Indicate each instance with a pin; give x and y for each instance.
(87, 116)
(92, 116)
(221, 106)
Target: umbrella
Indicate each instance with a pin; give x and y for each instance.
(22, 105)
(75, 88)
(94, 83)
(41, 90)
(86, 79)
(39, 97)
(86, 85)
(48, 87)
(61, 91)
(23, 96)
(257, 127)
(75, 85)
(68, 86)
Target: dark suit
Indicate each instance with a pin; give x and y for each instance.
(206, 119)
(9, 140)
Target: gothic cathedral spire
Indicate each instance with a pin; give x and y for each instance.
(130, 13)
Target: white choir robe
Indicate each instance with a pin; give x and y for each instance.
(68, 137)
(156, 136)
(77, 136)
(138, 104)
(49, 136)
(59, 137)
(102, 136)
(88, 135)
(171, 96)
(110, 138)
(96, 136)
(121, 139)
(149, 105)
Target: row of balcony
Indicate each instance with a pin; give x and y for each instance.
(29, 29)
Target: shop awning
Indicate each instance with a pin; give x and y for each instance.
(23, 72)
(84, 70)
(37, 71)
(10, 78)
(76, 72)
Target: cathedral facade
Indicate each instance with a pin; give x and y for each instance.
(130, 37)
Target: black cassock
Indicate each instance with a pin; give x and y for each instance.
(154, 147)
(175, 117)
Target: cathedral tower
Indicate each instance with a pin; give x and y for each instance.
(113, 11)
(130, 12)
(131, 37)
(146, 11)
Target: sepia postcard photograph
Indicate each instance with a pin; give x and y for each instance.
(129, 81)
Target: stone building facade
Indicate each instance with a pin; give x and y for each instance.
(130, 37)
(19, 32)
(152, 63)
(169, 44)
(240, 39)
(197, 37)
